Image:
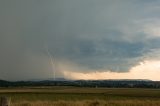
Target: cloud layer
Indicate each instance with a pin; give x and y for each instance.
(83, 35)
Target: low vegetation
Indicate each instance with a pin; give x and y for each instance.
(81, 96)
(89, 103)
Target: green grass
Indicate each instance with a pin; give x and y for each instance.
(52, 95)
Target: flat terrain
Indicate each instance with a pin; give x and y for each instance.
(78, 96)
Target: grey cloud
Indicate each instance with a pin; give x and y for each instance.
(94, 34)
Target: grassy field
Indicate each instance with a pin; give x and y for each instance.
(75, 96)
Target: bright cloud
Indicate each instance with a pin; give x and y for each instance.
(149, 69)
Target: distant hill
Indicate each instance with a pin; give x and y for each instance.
(123, 83)
(4, 83)
(128, 80)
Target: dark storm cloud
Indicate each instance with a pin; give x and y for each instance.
(94, 34)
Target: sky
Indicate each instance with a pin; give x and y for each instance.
(79, 39)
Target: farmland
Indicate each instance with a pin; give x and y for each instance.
(81, 96)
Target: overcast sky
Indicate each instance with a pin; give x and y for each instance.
(83, 39)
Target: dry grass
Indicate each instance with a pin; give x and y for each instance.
(89, 103)
(74, 96)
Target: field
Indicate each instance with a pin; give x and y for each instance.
(75, 96)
